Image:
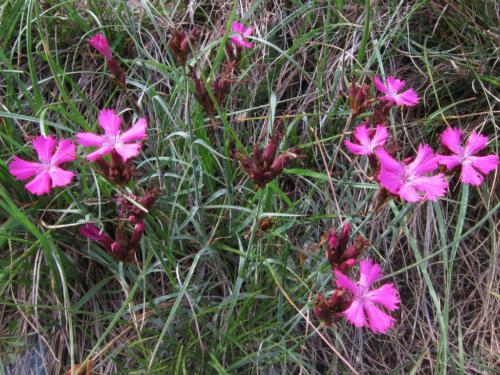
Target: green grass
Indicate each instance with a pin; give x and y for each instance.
(212, 294)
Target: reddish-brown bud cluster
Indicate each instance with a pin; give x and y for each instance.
(116, 170)
(341, 256)
(329, 310)
(220, 88)
(359, 97)
(265, 164)
(122, 246)
(361, 100)
(126, 240)
(181, 44)
(134, 207)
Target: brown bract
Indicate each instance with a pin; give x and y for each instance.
(181, 44)
(329, 310)
(116, 171)
(265, 164)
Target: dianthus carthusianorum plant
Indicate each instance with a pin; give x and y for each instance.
(127, 188)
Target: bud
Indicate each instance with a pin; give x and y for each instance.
(136, 236)
(344, 237)
(264, 166)
(180, 44)
(270, 152)
(359, 97)
(330, 310)
(339, 255)
(93, 233)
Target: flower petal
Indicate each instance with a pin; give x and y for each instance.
(40, 184)
(409, 193)
(409, 98)
(475, 143)
(424, 162)
(89, 139)
(378, 321)
(391, 171)
(362, 134)
(136, 132)
(485, 164)
(357, 149)
(246, 44)
(470, 175)
(65, 152)
(394, 85)
(248, 31)
(379, 85)
(343, 281)
(127, 151)
(369, 272)
(237, 27)
(356, 314)
(60, 177)
(379, 137)
(386, 296)
(451, 138)
(100, 152)
(22, 169)
(100, 43)
(110, 122)
(44, 147)
(433, 186)
(449, 161)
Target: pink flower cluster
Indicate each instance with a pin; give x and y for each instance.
(52, 153)
(357, 301)
(412, 179)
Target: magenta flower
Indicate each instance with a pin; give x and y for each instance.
(473, 167)
(238, 34)
(368, 139)
(47, 173)
(409, 180)
(100, 43)
(113, 139)
(363, 311)
(392, 92)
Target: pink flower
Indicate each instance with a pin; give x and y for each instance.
(473, 167)
(409, 180)
(100, 43)
(113, 139)
(363, 311)
(238, 34)
(47, 173)
(368, 139)
(392, 94)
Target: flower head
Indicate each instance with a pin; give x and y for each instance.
(100, 43)
(180, 44)
(392, 93)
(409, 180)
(113, 138)
(364, 310)
(339, 253)
(266, 164)
(368, 139)
(473, 166)
(238, 34)
(359, 97)
(51, 154)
